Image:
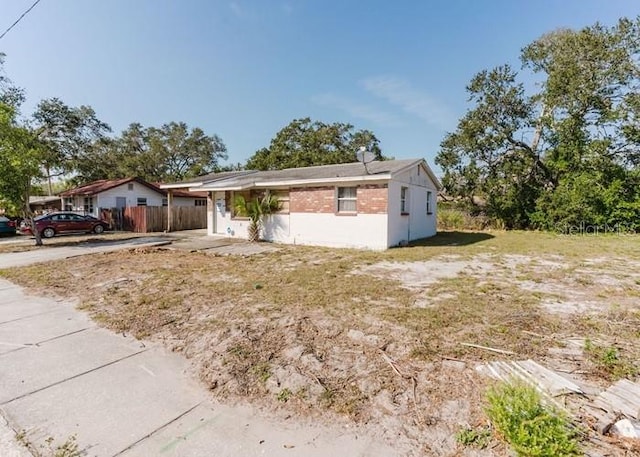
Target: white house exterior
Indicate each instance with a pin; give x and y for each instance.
(386, 203)
(120, 193)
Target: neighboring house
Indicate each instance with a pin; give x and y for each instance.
(384, 204)
(126, 192)
(45, 204)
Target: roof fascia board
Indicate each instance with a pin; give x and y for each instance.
(295, 182)
(426, 166)
(298, 182)
(181, 185)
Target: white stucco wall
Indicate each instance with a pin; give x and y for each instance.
(316, 229)
(417, 224)
(325, 229)
(107, 199)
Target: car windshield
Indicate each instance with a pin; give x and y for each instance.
(37, 218)
(4, 219)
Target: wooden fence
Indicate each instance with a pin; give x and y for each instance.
(145, 219)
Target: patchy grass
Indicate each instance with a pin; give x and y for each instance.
(330, 333)
(609, 362)
(69, 448)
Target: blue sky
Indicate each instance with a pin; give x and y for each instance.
(244, 69)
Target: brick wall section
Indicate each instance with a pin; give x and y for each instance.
(312, 200)
(372, 199)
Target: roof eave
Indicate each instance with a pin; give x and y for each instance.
(181, 185)
(430, 172)
(296, 182)
(301, 182)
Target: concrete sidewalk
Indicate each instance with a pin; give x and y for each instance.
(61, 375)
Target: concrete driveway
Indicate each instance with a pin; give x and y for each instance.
(48, 253)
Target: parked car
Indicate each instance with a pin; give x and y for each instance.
(65, 222)
(7, 226)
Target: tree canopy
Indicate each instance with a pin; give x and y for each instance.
(64, 133)
(305, 143)
(20, 159)
(172, 152)
(565, 154)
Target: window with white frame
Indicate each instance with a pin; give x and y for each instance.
(165, 202)
(130, 186)
(429, 207)
(88, 205)
(142, 201)
(404, 200)
(68, 204)
(347, 199)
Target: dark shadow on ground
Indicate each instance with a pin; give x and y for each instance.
(453, 239)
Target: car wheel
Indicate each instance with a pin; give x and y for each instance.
(98, 229)
(48, 232)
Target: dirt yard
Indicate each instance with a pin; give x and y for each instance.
(375, 337)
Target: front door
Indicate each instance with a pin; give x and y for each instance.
(219, 216)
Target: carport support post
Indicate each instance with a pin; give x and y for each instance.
(169, 209)
(211, 213)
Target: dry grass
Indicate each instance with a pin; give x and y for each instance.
(310, 331)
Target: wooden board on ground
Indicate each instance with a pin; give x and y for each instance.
(620, 400)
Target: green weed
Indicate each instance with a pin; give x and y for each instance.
(609, 361)
(476, 437)
(531, 428)
(284, 395)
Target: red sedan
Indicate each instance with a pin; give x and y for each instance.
(54, 223)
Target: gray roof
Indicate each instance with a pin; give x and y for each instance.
(206, 178)
(355, 171)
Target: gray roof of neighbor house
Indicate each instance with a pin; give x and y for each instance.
(355, 171)
(40, 199)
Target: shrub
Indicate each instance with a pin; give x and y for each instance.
(531, 428)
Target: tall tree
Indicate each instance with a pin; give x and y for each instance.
(9, 94)
(20, 165)
(304, 143)
(65, 133)
(172, 152)
(527, 153)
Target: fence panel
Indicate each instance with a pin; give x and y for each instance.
(145, 219)
(156, 218)
(188, 217)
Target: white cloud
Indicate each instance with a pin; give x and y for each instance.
(400, 93)
(359, 110)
